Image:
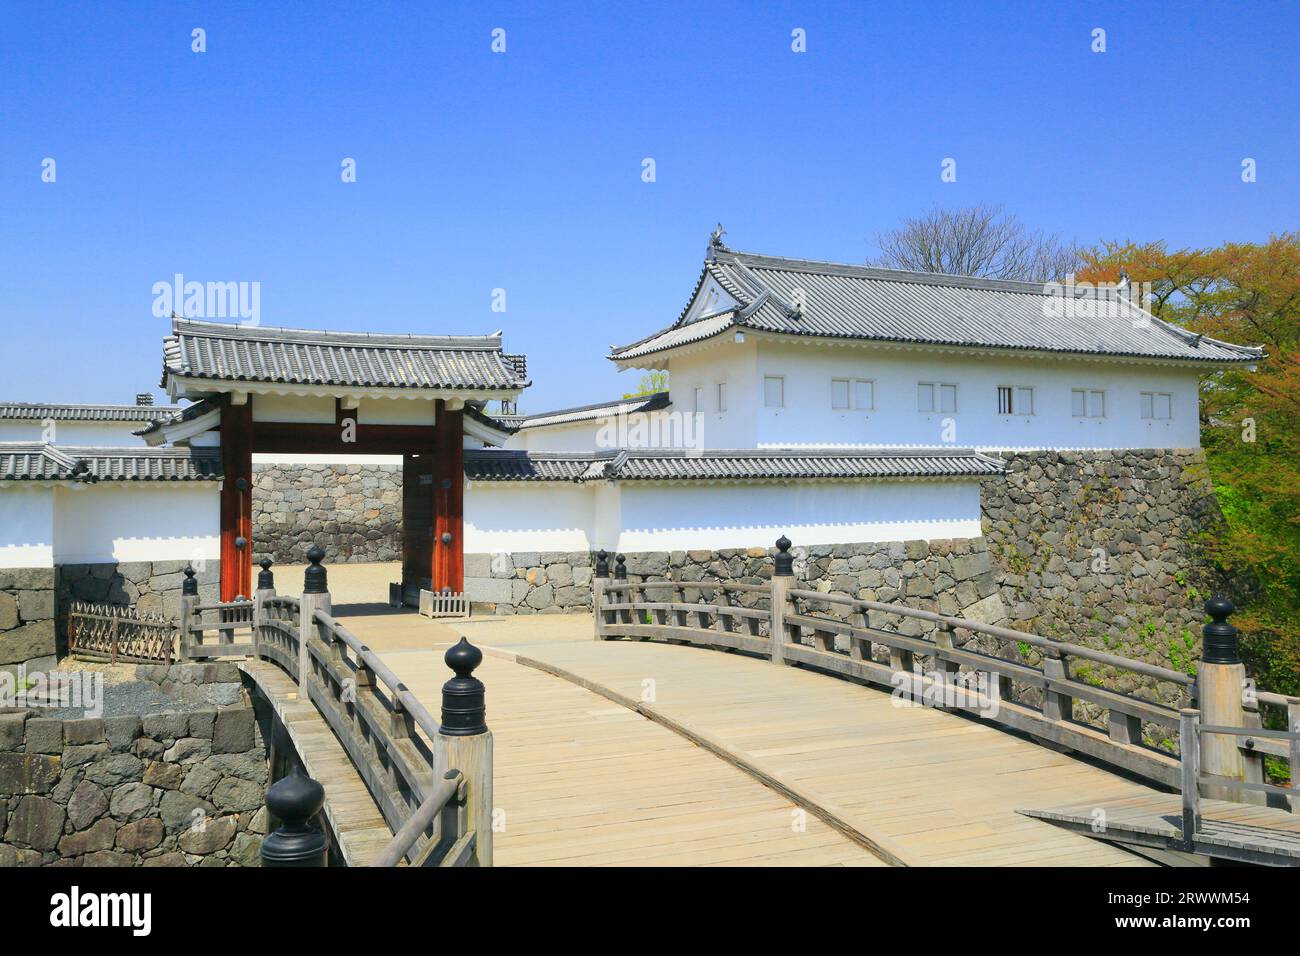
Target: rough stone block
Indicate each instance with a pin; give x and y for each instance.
(131, 802)
(28, 773)
(99, 836)
(86, 805)
(27, 642)
(214, 835)
(11, 730)
(489, 590)
(121, 731)
(36, 822)
(87, 730)
(141, 835)
(234, 731)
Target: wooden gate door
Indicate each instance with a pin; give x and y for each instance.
(417, 526)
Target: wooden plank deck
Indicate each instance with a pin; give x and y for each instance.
(352, 814)
(1232, 831)
(928, 786)
(581, 781)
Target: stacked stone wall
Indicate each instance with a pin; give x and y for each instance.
(177, 788)
(354, 512)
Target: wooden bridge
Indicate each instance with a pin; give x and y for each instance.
(660, 733)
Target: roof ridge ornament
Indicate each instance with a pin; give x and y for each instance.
(715, 241)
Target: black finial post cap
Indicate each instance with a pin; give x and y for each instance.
(314, 579)
(295, 800)
(265, 578)
(464, 711)
(620, 567)
(1220, 638)
(602, 563)
(189, 585)
(784, 559)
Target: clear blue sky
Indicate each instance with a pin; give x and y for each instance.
(523, 170)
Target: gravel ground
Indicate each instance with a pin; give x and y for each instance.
(137, 697)
(123, 694)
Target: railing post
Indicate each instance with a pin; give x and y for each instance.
(189, 600)
(265, 589)
(1190, 755)
(1220, 679)
(599, 578)
(782, 582)
(295, 800)
(1293, 725)
(621, 597)
(464, 742)
(315, 597)
(1056, 705)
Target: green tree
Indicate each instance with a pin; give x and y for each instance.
(651, 382)
(1248, 293)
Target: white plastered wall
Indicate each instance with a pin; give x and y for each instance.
(136, 521)
(73, 433)
(629, 517)
(807, 417)
(26, 525)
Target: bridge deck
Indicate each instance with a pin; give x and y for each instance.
(585, 782)
(584, 777)
(355, 820)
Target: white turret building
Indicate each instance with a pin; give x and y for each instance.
(839, 404)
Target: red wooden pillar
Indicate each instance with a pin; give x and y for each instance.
(236, 498)
(449, 501)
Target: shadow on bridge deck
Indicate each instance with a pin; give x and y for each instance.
(584, 777)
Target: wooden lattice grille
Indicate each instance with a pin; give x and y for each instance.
(109, 632)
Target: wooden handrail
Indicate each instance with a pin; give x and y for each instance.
(1005, 633)
(410, 703)
(444, 791)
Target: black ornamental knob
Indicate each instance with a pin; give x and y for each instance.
(314, 579)
(295, 800)
(464, 712)
(265, 578)
(784, 559)
(1220, 638)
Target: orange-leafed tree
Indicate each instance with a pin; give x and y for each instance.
(1248, 293)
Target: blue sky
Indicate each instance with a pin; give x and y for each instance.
(522, 170)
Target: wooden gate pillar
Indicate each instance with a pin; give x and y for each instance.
(449, 501)
(236, 498)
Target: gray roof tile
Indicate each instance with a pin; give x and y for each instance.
(74, 412)
(232, 353)
(31, 461)
(859, 302)
(785, 464)
(582, 413)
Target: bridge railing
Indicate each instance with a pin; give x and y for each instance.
(1024, 681)
(224, 629)
(1193, 780)
(431, 779)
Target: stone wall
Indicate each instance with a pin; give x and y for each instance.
(178, 788)
(529, 582)
(1100, 548)
(27, 632)
(153, 587)
(354, 512)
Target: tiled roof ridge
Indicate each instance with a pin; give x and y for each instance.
(273, 333)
